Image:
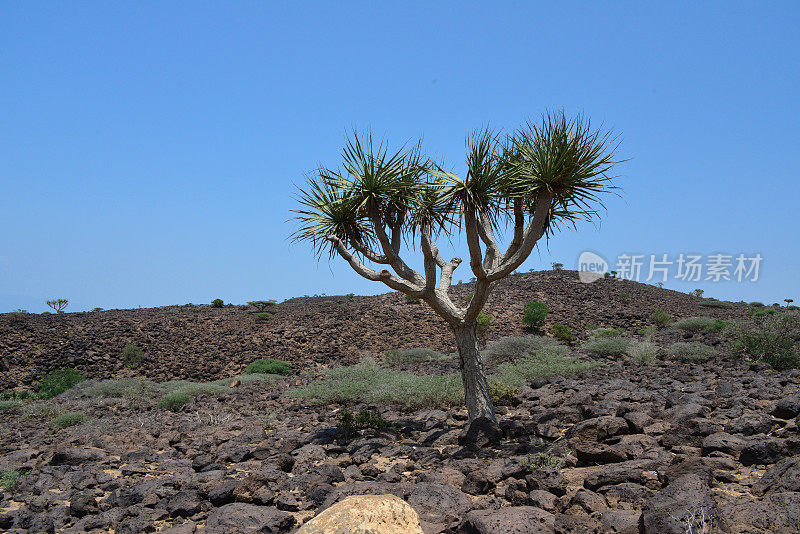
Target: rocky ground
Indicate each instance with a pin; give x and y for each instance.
(661, 448)
(197, 342)
(664, 447)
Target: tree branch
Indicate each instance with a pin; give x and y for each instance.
(533, 232)
(399, 266)
(376, 276)
(473, 242)
(447, 274)
(487, 236)
(519, 230)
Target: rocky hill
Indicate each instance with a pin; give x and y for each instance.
(199, 342)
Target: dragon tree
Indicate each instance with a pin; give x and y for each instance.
(378, 205)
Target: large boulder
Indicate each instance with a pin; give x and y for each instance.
(242, 517)
(686, 505)
(366, 514)
(509, 520)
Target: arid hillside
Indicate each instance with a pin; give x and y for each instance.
(198, 342)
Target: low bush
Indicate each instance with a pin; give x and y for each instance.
(69, 419)
(660, 318)
(642, 351)
(174, 402)
(514, 347)
(534, 314)
(58, 381)
(714, 303)
(563, 333)
(502, 394)
(411, 299)
(350, 425)
(647, 331)
(544, 460)
(696, 325)
(268, 366)
(415, 355)
(132, 356)
(771, 338)
(543, 364)
(612, 346)
(482, 324)
(8, 404)
(10, 477)
(263, 316)
(369, 382)
(603, 333)
(262, 305)
(692, 352)
(217, 303)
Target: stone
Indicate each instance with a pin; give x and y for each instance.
(783, 476)
(786, 408)
(686, 505)
(508, 520)
(365, 514)
(480, 433)
(242, 517)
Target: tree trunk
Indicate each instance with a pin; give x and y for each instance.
(476, 387)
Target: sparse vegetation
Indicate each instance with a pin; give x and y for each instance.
(603, 333)
(696, 325)
(513, 347)
(642, 351)
(58, 304)
(534, 314)
(58, 381)
(268, 366)
(771, 338)
(411, 299)
(697, 293)
(217, 303)
(482, 324)
(68, 419)
(350, 425)
(543, 364)
(132, 356)
(263, 316)
(609, 347)
(660, 318)
(557, 266)
(174, 402)
(414, 355)
(714, 303)
(10, 477)
(691, 352)
(563, 333)
(502, 394)
(545, 460)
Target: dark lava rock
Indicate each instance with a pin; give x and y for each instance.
(480, 433)
(786, 408)
(783, 476)
(241, 517)
(509, 520)
(764, 451)
(687, 501)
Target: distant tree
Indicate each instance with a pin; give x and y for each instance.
(697, 292)
(558, 266)
(261, 305)
(788, 301)
(544, 176)
(58, 304)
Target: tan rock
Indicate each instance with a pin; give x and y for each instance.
(366, 514)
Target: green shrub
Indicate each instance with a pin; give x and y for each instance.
(700, 324)
(415, 355)
(661, 318)
(697, 293)
(482, 324)
(268, 366)
(217, 303)
(349, 425)
(695, 352)
(174, 401)
(502, 394)
(10, 478)
(8, 404)
(544, 460)
(642, 351)
(132, 356)
(774, 339)
(514, 347)
(58, 381)
(534, 314)
(263, 316)
(558, 266)
(468, 298)
(603, 333)
(69, 419)
(757, 313)
(757, 304)
(612, 346)
(563, 333)
(262, 305)
(648, 331)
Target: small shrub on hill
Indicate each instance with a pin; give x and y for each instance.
(268, 366)
(502, 394)
(691, 352)
(217, 303)
(660, 318)
(132, 356)
(696, 325)
(69, 419)
(563, 333)
(350, 425)
(263, 316)
(714, 303)
(774, 339)
(642, 351)
(544, 364)
(534, 314)
(609, 347)
(58, 381)
(514, 347)
(262, 305)
(10, 477)
(174, 402)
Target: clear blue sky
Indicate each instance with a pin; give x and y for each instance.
(148, 150)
